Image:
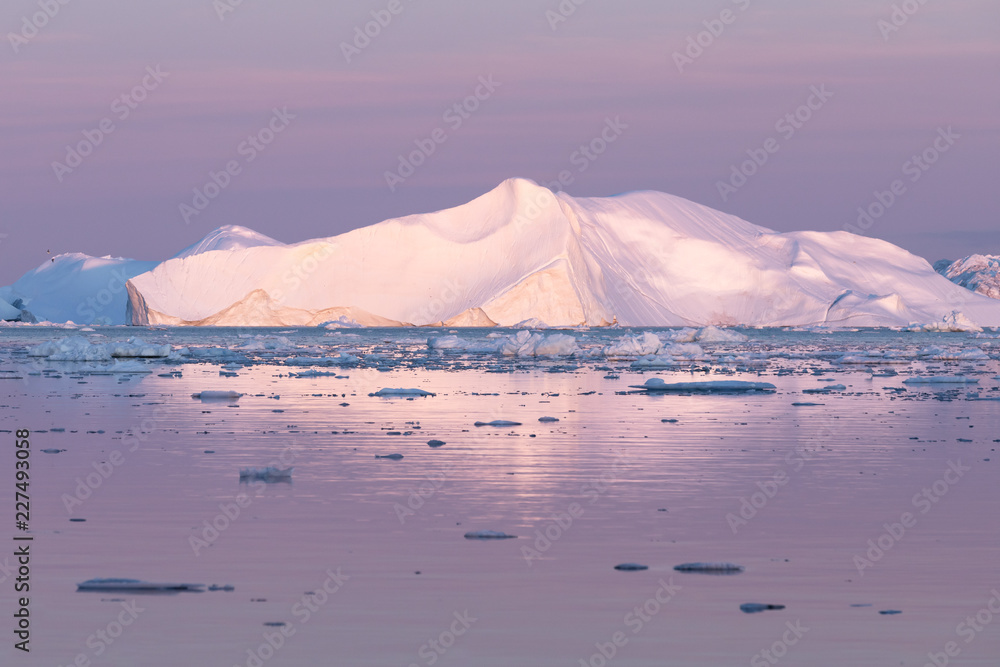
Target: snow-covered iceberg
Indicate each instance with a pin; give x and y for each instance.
(520, 254)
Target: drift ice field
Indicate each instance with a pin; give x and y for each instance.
(271, 495)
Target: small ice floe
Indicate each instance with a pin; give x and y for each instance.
(669, 421)
(940, 379)
(435, 443)
(266, 474)
(631, 567)
(757, 607)
(709, 386)
(890, 612)
(498, 422)
(804, 404)
(402, 392)
(488, 535)
(228, 588)
(391, 457)
(136, 585)
(217, 396)
(52, 451)
(825, 390)
(710, 568)
(548, 419)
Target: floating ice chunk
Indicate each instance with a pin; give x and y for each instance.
(938, 353)
(402, 392)
(435, 443)
(631, 567)
(757, 607)
(52, 451)
(955, 321)
(531, 323)
(548, 419)
(267, 474)
(556, 345)
(391, 457)
(72, 348)
(124, 585)
(709, 386)
(710, 568)
(890, 612)
(940, 379)
(498, 422)
(825, 390)
(447, 343)
(634, 346)
(135, 347)
(488, 535)
(654, 362)
(342, 322)
(260, 343)
(217, 395)
(712, 334)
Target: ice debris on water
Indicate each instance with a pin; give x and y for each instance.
(940, 379)
(266, 474)
(548, 419)
(391, 457)
(498, 422)
(136, 585)
(709, 386)
(402, 392)
(52, 451)
(217, 395)
(710, 568)
(435, 443)
(757, 607)
(488, 535)
(631, 567)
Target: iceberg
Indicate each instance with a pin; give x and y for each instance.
(521, 256)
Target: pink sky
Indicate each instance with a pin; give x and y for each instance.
(325, 173)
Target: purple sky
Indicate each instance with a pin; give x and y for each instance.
(325, 172)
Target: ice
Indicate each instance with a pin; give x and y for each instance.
(631, 567)
(391, 457)
(213, 395)
(632, 346)
(488, 535)
(941, 379)
(709, 386)
(938, 353)
(576, 264)
(757, 607)
(259, 343)
(979, 273)
(72, 348)
(135, 347)
(135, 585)
(498, 422)
(342, 322)
(548, 419)
(402, 392)
(266, 474)
(710, 568)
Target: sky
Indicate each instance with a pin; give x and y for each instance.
(134, 129)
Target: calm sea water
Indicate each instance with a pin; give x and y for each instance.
(611, 482)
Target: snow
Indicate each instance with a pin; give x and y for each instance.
(521, 255)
